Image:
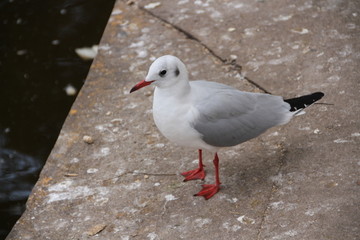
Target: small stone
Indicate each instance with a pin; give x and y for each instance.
(71, 174)
(300, 31)
(96, 229)
(88, 139)
(245, 220)
(231, 29)
(92, 170)
(73, 112)
(152, 5)
(233, 57)
(331, 184)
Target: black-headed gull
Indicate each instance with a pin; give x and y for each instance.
(209, 115)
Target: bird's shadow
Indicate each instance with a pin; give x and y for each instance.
(257, 171)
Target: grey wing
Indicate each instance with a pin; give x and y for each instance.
(230, 117)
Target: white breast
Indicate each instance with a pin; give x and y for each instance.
(173, 117)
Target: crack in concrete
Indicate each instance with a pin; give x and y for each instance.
(135, 173)
(273, 189)
(264, 214)
(235, 66)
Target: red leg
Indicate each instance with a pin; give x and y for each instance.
(198, 173)
(210, 190)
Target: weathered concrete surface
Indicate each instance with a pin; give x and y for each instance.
(299, 181)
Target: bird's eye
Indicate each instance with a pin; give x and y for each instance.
(162, 73)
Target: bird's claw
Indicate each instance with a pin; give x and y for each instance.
(198, 173)
(208, 190)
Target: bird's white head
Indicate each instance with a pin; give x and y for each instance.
(164, 72)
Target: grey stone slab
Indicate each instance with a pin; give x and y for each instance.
(299, 181)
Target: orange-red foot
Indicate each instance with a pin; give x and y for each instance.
(208, 190)
(198, 173)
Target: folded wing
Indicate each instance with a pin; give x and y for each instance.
(227, 116)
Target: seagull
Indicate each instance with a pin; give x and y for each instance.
(209, 115)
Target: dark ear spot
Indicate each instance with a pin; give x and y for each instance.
(177, 72)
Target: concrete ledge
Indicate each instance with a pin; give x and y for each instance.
(299, 181)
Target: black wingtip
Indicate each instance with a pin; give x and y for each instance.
(304, 101)
(318, 95)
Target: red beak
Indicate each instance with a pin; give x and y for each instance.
(141, 84)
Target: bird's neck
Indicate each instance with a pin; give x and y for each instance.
(178, 89)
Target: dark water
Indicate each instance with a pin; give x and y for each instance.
(37, 61)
